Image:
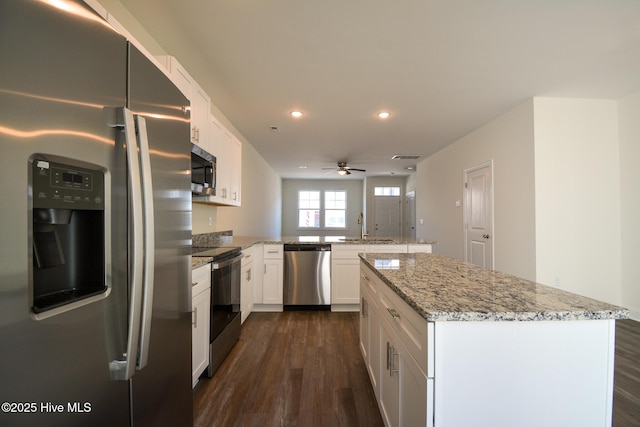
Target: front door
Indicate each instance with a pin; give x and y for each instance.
(478, 215)
(387, 216)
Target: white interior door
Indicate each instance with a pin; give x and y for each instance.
(387, 216)
(478, 214)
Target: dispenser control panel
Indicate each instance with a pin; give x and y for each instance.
(57, 185)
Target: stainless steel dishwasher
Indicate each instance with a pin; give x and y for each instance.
(307, 274)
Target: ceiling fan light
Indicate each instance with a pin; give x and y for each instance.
(342, 172)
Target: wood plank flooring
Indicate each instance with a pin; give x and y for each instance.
(304, 368)
(626, 389)
(296, 368)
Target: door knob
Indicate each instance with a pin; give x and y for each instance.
(486, 236)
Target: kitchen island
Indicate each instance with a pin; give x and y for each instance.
(447, 343)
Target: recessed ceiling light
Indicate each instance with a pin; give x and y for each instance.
(302, 167)
(384, 115)
(296, 114)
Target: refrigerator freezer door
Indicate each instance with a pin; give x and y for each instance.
(153, 97)
(61, 72)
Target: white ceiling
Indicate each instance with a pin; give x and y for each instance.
(441, 67)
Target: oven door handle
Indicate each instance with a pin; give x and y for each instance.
(226, 263)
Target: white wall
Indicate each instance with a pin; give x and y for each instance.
(629, 119)
(261, 210)
(508, 140)
(290, 188)
(261, 190)
(577, 196)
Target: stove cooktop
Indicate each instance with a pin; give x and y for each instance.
(216, 253)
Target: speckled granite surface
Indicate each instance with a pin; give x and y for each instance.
(444, 289)
(197, 261)
(226, 238)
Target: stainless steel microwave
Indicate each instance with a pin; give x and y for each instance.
(203, 172)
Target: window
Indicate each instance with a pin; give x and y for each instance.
(332, 208)
(335, 205)
(386, 191)
(309, 209)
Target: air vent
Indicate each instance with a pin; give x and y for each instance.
(405, 157)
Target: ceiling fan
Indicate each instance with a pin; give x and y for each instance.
(343, 169)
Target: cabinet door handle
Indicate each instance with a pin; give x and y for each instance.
(388, 356)
(249, 275)
(194, 317)
(393, 313)
(392, 366)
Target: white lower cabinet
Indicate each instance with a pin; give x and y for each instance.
(247, 283)
(392, 335)
(345, 270)
(200, 314)
(268, 295)
(370, 332)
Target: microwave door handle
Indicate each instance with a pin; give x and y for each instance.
(149, 241)
(124, 369)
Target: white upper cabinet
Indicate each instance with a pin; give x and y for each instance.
(228, 151)
(200, 100)
(178, 74)
(200, 107)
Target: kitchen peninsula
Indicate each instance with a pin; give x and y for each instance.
(447, 343)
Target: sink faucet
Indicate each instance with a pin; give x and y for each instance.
(363, 235)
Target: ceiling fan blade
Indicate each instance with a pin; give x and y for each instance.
(358, 170)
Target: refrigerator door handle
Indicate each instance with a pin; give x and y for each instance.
(124, 369)
(149, 242)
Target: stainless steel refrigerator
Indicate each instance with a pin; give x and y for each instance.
(95, 226)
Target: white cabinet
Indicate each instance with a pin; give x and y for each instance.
(200, 108)
(370, 330)
(419, 248)
(345, 270)
(228, 151)
(235, 176)
(247, 283)
(200, 312)
(269, 296)
(394, 341)
(229, 177)
(200, 100)
(403, 386)
(345, 274)
(179, 76)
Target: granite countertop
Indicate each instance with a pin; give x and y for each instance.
(444, 289)
(247, 241)
(226, 239)
(198, 261)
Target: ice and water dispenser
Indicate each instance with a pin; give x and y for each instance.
(68, 230)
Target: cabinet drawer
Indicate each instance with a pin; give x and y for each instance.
(347, 251)
(369, 282)
(273, 251)
(409, 325)
(422, 248)
(200, 279)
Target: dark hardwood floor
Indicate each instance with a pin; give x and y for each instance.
(626, 389)
(304, 368)
(296, 368)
